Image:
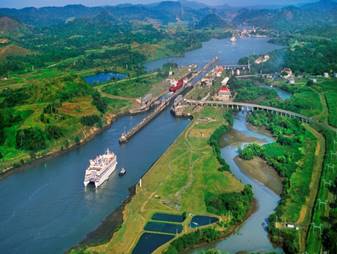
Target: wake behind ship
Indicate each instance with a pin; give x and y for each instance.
(100, 169)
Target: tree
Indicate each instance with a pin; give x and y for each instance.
(54, 132)
(91, 120)
(32, 139)
(99, 102)
(310, 83)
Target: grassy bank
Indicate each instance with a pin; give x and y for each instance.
(176, 183)
(324, 208)
(46, 112)
(297, 156)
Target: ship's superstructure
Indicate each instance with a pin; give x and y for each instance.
(100, 168)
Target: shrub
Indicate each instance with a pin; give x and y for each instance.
(54, 132)
(236, 203)
(251, 150)
(32, 139)
(100, 104)
(91, 120)
(214, 143)
(187, 241)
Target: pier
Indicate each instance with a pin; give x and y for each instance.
(192, 77)
(126, 136)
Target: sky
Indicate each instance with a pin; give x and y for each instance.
(41, 3)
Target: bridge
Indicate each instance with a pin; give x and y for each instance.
(247, 107)
(236, 66)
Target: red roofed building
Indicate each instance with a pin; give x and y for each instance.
(224, 94)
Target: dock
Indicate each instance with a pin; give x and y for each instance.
(126, 136)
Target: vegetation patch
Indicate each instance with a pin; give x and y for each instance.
(293, 157)
(232, 205)
(137, 87)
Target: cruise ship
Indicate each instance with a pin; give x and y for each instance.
(100, 169)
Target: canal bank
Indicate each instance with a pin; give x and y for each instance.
(52, 211)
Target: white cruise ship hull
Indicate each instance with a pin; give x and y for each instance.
(98, 180)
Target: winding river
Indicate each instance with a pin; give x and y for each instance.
(252, 235)
(45, 208)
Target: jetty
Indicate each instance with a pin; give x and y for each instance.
(192, 78)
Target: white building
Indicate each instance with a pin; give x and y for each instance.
(225, 81)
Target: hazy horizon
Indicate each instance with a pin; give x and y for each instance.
(44, 3)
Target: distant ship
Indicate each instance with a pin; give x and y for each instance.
(100, 169)
(233, 39)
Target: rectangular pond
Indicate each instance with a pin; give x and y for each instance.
(201, 220)
(168, 217)
(163, 227)
(148, 242)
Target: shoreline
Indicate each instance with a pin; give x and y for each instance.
(109, 225)
(231, 230)
(53, 154)
(258, 169)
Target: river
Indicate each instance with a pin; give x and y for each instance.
(45, 208)
(252, 234)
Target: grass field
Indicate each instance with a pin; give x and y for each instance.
(331, 98)
(321, 210)
(317, 207)
(117, 105)
(137, 87)
(329, 89)
(176, 183)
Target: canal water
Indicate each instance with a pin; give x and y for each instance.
(45, 208)
(228, 53)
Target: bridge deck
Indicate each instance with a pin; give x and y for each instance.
(248, 106)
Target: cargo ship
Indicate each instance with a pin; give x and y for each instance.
(179, 84)
(100, 169)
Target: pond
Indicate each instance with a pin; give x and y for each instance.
(202, 220)
(168, 217)
(103, 77)
(163, 227)
(148, 242)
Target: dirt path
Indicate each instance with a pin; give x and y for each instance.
(323, 116)
(305, 214)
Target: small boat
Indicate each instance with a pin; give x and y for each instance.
(122, 172)
(233, 39)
